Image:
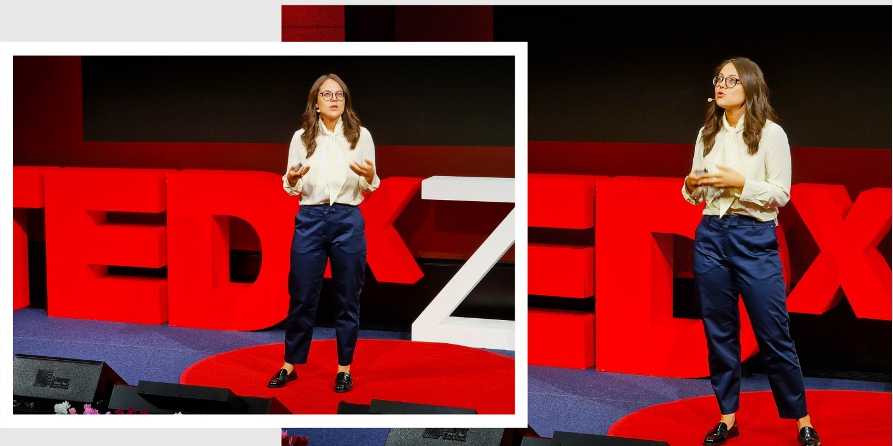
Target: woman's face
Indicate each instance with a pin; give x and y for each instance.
(330, 100)
(725, 96)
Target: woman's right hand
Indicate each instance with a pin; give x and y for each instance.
(295, 173)
(691, 182)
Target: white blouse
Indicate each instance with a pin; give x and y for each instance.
(330, 179)
(767, 173)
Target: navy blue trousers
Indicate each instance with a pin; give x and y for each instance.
(335, 232)
(738, 254)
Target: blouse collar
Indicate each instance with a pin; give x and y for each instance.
(325, 130)
(739, 126)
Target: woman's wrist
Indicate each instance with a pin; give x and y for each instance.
(688, 186)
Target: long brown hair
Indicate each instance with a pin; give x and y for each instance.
(350, 122)
(756, 106)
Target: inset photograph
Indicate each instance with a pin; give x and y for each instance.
(266, 234)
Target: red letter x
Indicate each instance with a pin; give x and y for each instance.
(847, 234)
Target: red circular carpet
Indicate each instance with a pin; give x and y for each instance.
(397, 370)
(842, 417)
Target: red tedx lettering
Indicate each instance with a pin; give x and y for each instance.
(194, 244)
(629, 270)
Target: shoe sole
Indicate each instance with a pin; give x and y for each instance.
(288, 380)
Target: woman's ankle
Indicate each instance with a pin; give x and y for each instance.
(804, 422)
(729, 420)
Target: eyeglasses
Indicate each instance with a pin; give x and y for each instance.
(728, 82)
(329, 95)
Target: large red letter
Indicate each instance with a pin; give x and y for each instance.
(562, 338)
(388, 256)
(635, 329)
(81, 245)
(200, 204)
(27, 193)
(20, 296)
(847, 234)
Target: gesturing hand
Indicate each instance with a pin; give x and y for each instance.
(691, 181)
(365, 170)
(726, 177)
(296, 172)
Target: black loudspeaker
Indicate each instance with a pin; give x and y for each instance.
(190, 399)
(401, 408)
(452, 437)
(256, 405)
(166, 398)
(575, 439)
(440, 436)
(350, 408)
(535, 441)
(39, 382)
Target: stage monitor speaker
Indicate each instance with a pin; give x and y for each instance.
(356, 409)
(190, 399)
(467, 437)
(535, 441)
(258, 405)
(44, 381)
(402, 408)
(164, 398)
(444, 437)
(577, 439)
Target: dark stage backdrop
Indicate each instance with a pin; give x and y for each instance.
(461, 100)
(642, 74)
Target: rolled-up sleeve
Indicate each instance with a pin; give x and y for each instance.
(289, 189)
(296, 155)
(367, 151)
(697, 196)
(775, 190)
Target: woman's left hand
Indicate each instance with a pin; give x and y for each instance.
(725, 178)
(365, 170)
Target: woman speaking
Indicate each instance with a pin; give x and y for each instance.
(742, 171)
(331, 165)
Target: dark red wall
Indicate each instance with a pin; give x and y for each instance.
(387, 23)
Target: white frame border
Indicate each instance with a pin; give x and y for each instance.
(516, 49)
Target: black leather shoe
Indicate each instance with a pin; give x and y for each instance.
(720, 433)
(281, 378)
(343, 382)
(809, 437)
